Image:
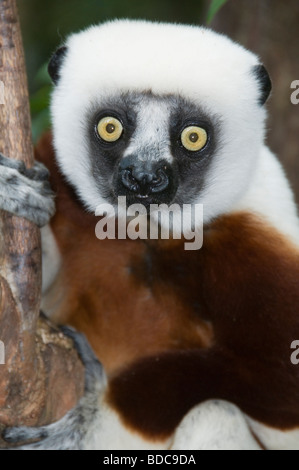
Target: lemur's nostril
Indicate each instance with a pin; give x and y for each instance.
(161, 181)
(128, 180)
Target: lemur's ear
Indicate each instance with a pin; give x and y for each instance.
(264, 81)
(55, 63)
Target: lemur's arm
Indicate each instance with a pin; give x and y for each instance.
(26, 192)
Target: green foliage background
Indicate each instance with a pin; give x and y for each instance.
(46, 23)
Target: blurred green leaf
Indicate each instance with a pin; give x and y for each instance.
(42, 77)
(39, 102)
(40, 123)
(214, 8)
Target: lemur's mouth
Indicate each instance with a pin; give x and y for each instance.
(142, 196)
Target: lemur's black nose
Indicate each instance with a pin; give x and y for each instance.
(145, 178)
(145, 182)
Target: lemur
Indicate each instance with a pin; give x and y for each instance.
(194, 345)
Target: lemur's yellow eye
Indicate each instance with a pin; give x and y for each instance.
(194, 138)
(110, 129)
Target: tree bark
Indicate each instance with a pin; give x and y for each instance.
(42, 377)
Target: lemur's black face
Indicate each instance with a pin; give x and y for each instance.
(149, 148)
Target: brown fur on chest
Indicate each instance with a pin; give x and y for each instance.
(174, 328)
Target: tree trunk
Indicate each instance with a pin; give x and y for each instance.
(271, 29)
(42, 377)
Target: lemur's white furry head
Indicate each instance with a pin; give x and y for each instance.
(157, 80)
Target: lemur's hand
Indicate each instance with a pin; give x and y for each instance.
(69, 432)
(26, 192)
